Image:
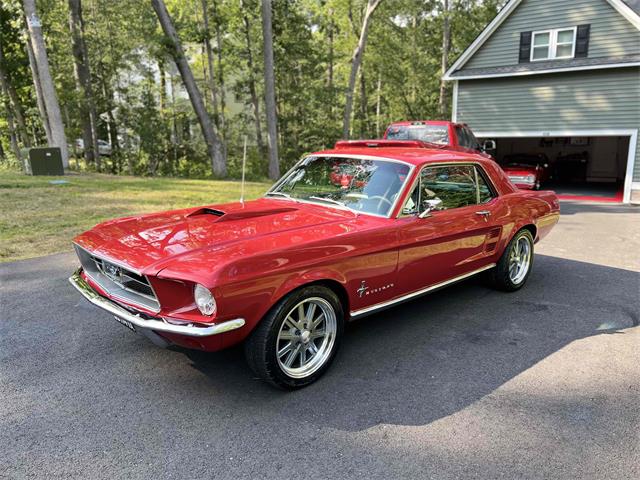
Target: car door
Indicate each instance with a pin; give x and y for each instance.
(458, 236)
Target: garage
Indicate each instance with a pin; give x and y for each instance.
(559, 84)
(585, 166)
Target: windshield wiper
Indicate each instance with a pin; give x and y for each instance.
(335, 202)
(280, 194)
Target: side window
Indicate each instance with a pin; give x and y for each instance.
(462, 137)
(485, 193)
(412, 205)
(448, 186)
(473, 141)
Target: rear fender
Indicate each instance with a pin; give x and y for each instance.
(539, 211)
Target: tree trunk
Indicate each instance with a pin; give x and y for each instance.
(44, 116)
(255, 101)
(209, 52)
(270, 91)
(48, 89)
(83, 80)
(364, 121)
(214, 146)
(379, 92)
(14, 101)
(12, 129)
(330, 34)
(222, 125)
(446, 45)
(356, 60)
(163, 114)
(163, 86)
(174, 122)
(112, 128)
(205, 78)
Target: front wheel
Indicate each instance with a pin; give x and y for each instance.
(514, 267)
(298, 339)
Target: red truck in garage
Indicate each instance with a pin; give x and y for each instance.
(459, 137)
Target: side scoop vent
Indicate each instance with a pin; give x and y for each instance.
(493, 236)
(206, 211)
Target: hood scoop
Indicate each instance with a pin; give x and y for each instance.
(239, 214)
(242, 214)
(206, 211)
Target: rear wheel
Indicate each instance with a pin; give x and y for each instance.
(514, 267)
(298, 339)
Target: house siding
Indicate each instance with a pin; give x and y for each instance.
(611, 34)
(602, 99)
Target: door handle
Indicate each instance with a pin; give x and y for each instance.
(485, 214)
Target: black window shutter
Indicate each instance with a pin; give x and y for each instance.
(525, 47)
(582, 41)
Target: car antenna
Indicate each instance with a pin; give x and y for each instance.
(244, 163)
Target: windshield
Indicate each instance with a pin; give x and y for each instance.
(426, 133)
(362, 185)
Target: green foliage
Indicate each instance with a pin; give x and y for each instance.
(88, 199)
(144, 111)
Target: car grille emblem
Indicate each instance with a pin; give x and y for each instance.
(112, 271)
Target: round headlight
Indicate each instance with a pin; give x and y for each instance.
(531, 178)
(204, 300)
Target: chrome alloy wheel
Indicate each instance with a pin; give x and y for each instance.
(306, 337)
(520, 259)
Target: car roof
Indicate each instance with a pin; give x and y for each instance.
(421, 122)
(412, 156)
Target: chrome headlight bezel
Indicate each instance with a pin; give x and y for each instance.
(204, 300)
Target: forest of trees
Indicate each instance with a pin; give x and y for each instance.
(175, 86)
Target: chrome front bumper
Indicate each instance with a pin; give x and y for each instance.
(157, 325)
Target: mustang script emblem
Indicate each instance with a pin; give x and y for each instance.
(363, 288)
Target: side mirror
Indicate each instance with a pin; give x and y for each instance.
(488, 145)
(428, 206)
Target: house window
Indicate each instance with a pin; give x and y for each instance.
(553, 44)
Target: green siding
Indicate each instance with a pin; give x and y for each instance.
(611, 34)
(596, 99)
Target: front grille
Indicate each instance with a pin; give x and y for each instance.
(522, 178)
(118, 281)
(125, 278)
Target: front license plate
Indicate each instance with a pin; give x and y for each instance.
(126, 323)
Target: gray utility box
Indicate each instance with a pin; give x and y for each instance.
(44, 161)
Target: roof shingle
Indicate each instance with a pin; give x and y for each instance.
(534, 67)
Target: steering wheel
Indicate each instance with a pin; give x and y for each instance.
(382, 199)
(362, 196)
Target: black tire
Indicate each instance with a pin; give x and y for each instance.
(261, 346)
(500, 277)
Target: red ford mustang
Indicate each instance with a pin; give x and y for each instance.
(284, 273)
(526, 171)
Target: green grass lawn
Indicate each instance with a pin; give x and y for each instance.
(38, 218)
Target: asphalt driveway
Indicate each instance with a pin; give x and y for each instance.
(465, 383)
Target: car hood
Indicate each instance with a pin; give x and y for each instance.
(148, 243)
